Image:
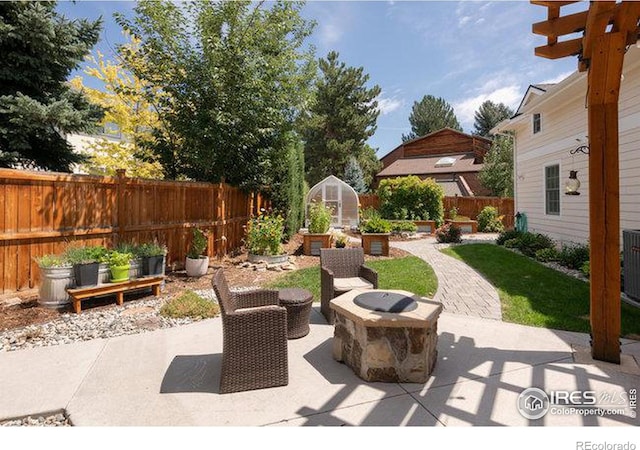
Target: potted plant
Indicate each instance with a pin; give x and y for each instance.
(119, 265)
(375, 236)
(56, 275)
(135, 265)
(264, 239)
(197, 263)
(85, 262)
(152, 255)
(318, 235)
(341, 240)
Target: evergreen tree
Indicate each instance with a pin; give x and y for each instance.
(353, 176)
(343, 116)
(497, 173)
(38, 50)
(370, 165)
(489, 115)
(431, 114)
(286, 191)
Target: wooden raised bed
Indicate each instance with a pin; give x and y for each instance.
(467, 226)
(376, 244)
(312, 243)
(426, 226)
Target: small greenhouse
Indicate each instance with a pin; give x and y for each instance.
(340, 197)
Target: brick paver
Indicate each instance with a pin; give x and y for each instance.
(461, 290)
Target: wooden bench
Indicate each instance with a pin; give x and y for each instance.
(79, 294)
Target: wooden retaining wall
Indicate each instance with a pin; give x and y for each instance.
(44, 212)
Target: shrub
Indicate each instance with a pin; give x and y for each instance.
(264, 235)
(319, 218)
(403, 226)
(449, 233)
(574, 256)
(547, 254)
(512, 243)
(375, 225)
(530, 243)
(507, 235)
(489, 220)
(189, 304)
(453, 213)
(368, 213)
(586, 269)
(198, 244)
(410, 198)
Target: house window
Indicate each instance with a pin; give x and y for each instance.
(447, 161)
(552, 190)
(536, 123)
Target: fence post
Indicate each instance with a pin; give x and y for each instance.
(121, 187)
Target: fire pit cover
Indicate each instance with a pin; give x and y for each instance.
(385, 302)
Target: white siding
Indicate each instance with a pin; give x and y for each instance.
(564, 119)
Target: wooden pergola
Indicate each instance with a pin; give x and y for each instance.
(607, 28)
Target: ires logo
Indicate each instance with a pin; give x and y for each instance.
(573, 398)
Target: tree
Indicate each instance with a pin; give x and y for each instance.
(287, 189)
(431, 114)
(39, 49)
(497, 173)
(236, 78)
(370, 165)
(342, 117)
(353, 176)
(124, 98)
(489, 115)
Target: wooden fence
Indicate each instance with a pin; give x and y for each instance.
(466, 206)
(42, 213)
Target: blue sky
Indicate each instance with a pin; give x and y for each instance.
(465, 52)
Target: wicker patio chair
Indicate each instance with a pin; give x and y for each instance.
(254, 343)
(341, 270)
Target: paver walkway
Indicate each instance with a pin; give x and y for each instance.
(461, 290)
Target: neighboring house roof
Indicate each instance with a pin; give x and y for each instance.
(472, 138)
(452, 188)
(426, 165)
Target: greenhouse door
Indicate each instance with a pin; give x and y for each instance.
(332, 198)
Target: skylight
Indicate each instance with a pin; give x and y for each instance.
(447, 161)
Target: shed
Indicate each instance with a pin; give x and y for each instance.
(340, 197)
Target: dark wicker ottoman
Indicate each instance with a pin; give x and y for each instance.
(298, 305)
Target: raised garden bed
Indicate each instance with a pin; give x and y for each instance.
(312, 243)
(467, 226)
(376, 244)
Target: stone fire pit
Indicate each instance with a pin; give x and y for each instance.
(386, 346)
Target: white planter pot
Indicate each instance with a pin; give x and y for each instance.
(197, 267)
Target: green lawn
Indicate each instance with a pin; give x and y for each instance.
(409, 273)
(532, 294)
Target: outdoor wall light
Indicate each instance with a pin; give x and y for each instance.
(572, 185)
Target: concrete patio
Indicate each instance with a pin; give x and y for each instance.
(170, 378)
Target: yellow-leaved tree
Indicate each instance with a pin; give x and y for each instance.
(125, 99)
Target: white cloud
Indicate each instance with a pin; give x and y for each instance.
(330, 33)
(388, 105)
(463, 20)
(556, 79)
(465, 109)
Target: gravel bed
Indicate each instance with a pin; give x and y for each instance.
(54, 420)
(132, 318)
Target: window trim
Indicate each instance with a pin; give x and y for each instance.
(544, 188)
(537, 116)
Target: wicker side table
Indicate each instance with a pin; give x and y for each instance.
(298, 304)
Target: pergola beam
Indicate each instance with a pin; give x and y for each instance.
(599, 15)
(560, 26)
(551, 3)
(560, 49)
